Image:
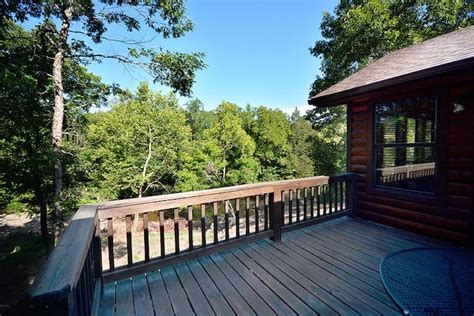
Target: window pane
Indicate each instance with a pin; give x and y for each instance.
(410, 120)
(406, 167)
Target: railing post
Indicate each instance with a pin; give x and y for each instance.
(352, 195)
(276, 208)
(97, 253)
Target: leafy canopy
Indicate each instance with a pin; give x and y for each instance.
(89, 24)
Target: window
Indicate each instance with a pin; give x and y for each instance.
(404, 144)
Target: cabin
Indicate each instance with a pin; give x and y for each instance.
(302, 246)
(410, 137)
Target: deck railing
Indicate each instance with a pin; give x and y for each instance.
(71, 277)
(175, 227)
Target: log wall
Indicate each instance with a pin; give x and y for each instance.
(449, 213)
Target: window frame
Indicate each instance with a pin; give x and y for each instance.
(401, 192)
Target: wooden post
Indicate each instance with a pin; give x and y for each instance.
(276, 207)
(97, 252)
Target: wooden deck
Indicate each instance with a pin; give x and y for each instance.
(330, 268)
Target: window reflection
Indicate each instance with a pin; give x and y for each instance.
(405, 139)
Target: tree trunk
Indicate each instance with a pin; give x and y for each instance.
(145, 167)
(58, 117)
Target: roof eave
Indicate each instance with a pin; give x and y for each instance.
(345, 96)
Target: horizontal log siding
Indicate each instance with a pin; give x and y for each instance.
(452, 223)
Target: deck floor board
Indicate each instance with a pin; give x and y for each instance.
(328, 269)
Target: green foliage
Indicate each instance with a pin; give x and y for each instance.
(165, 18)
(359, 32)
(301, 141)
(136, 148)
(271, 132)
(329, 148)
(26, 107)
(228, 140)
(198, 119)
(16, 206)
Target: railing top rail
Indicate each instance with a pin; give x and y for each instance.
(167, 201)
(63, 268)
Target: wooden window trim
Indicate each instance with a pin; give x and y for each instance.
(430, 198)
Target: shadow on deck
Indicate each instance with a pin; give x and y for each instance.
(330, 268)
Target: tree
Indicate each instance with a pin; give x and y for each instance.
(166, 18)
(359, 32)
(197, 118)
(237, 164)
(328, 146)
(25, 103)
(301, 141)
(271, 133)
(136, 148)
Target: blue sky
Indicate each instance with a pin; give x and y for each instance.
(256, 51)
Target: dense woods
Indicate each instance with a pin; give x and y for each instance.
(143, 142)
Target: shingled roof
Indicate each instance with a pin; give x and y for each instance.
(438, 55)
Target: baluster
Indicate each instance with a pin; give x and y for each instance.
(257, 206)
(290, 206)
(190, 227)
(335, 196)
(97, 252)
(282, 210)
(298, 206)
(146, 239)
(318, 201)
(110, 241)
(265, 211)
(162, 234)
(311, 193)
(203, 224)
(237, 218)
(305, 203)
(128, 220)
(324, 196)
(85, 285)
(226, 219)
(247, 216)
(215, 223)
(81, 294)
(176, 230)
(330, 192)
(341, 192)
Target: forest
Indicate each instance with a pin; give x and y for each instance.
(142, 143)
(68, 138)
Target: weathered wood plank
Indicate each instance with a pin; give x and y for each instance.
(159, 295)
(141, 296)
(124, 298)
(212, 293)
(107, 300)
(248, 294)
(292, 269)
(198, 301)
(65, 263)
(273, 300)
(369, 304)
(239, 305)
(176, 200)
(178, 298)
(297, 304)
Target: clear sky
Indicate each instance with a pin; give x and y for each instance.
(256, 51)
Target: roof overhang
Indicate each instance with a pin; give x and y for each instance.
(345, 96)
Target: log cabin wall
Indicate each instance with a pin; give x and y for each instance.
(449, 213)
